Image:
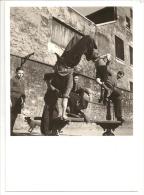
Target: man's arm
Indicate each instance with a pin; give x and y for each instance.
(98, 75)
(108, 56)
(98, 80)
(83, 89)
(48, 78)
(51, 86)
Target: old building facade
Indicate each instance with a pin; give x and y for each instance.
(114, 30)
(45, 31)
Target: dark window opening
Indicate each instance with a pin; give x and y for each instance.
(106, 14)
(119, 47)
(131, 86)
(128, 25)
(131, 55)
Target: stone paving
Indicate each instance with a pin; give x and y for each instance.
(80, 129)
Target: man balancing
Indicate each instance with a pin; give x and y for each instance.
(108, 81)
(65, 64)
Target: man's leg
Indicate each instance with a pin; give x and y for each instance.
(117, 108)
(85, 46)
(108, 87)
(45, 121)
(102, 94)
(13, 119)
(66, 93)
(64, 107)
(64, 84)
(116, 98)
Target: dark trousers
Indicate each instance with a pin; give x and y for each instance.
(50, 123)
(75, 49)
(13, 119)
(15, 110)
(50, 112)
(116, 99)
(47, 121)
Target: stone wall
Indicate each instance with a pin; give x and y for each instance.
(36, 88)
(32, 31)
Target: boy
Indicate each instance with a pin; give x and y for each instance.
(17, 95)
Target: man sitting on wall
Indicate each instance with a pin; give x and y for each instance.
(65, 65)
(79, 98)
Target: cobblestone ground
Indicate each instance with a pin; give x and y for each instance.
(79, 129)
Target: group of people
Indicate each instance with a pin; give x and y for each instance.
(64, 93)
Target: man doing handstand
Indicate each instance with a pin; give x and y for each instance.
(65, 64)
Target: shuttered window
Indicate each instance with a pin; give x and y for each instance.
(131, 86)
(131, 55)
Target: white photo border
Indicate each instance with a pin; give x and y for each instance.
(75, 164)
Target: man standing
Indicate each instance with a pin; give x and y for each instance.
(51, 123)
(116, 98)
(17, 95)
(50, 110)
(106, 80)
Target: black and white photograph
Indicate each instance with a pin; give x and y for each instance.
(71, 97)
(71, 71)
